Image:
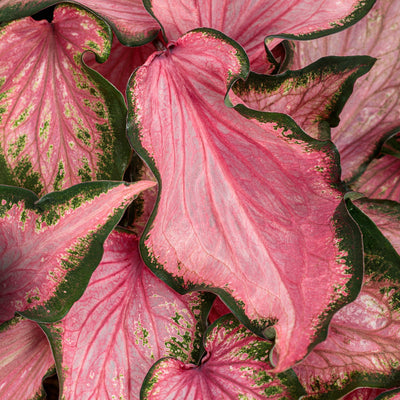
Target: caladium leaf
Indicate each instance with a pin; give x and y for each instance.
(234, 367)
(121, 63)
(381, 178)
(249, 23)
(60, 122)
(364, 337)
(25, 358)
(364, 394)
(373, 109)
(50, 247)
(128, 18)
(125, 321)
(313, 96)
(228, 180)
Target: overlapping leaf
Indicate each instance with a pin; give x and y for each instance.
(313, 96)
(126, 320)
(250, 22)
(129, 19)
(381, 178)
(373, 109)
(25, 358)
(50, 247)
(364, 337)
(249, 205)
(121, 63)
(60, 123)
(235, 367)
(390, 395)
(363, 394)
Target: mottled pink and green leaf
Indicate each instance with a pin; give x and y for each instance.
(244, 197)
(125, 321)
(50, 247)
(60, 123)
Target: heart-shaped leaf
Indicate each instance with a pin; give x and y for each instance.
(250, 22)
(50, 247)
(364, 337)
(244, 196)
(60, 122)
(25, 358)
(313, 96)
(125, 321)
(128, 18)
(235, 367)
(373, 110)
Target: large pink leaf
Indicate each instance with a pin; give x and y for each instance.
(60, 123)
(373, 110)
(128, 18)
(244, 196)
(25, 358)
(250, 22)
(313, 96)
(234, 367)
(126, 320)
(121, 63)
(364, 337)
(50, 247)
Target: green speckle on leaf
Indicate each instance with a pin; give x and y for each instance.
(59, 180)
(22, 117)
(83, 135)
(85, 172)
(44, 130)
(17, 147)
(93, 45)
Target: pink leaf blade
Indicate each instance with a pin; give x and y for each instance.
(61, 123)
(236, 365)
(128, 18)
(361, 348)
(51, 246)
(364, 394)
(121, 63)
(125, 321)
(372, 112)
(390, 395)
(266, 18)
(227, 177)
(25, 359)
(313, 96)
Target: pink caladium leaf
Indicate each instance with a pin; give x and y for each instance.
(50, 247)
(364, 337)
(373, 110)
(381, 178)
(25, 359)
(60, 122)
(121, 63)
(130, 21)
(243, 197)
(364, 394)
(125, 321)
(236, 366)
(249, 23)
(313, 96)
